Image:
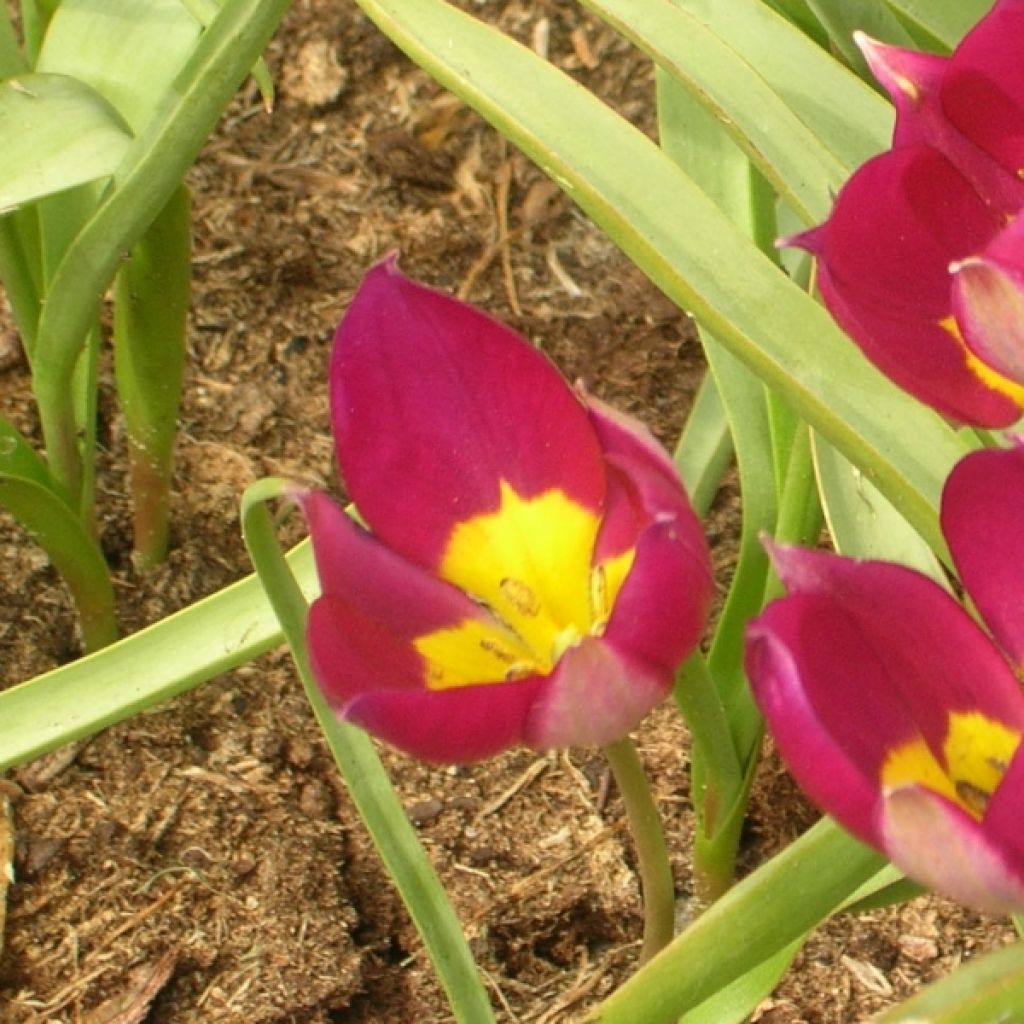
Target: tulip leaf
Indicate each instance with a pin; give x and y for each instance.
(130, 53)
(842, 18)
(704, 448)
(12, 61)
(674, 232)
(743, 102)
(988, 989)
(849, 117)
(755, 920)
(154, 165)
(58, 133)
(214, 635)
(367, 781)
(29, 493)
(861, 522)
(945, 20)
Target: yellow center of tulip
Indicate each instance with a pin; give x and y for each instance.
(530, 564)
(989, 377)
(977, 752)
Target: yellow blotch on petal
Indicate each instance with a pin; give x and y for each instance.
(990, 378)
(530, 563)
(977, 751)
(473, 652)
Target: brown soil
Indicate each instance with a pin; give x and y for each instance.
(202, 862)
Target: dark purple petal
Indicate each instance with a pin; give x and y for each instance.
(594, 696)
(448, 726)
(983, 521)
(434, 404)
(936, 843)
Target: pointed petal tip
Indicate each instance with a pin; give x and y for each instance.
(810, 240)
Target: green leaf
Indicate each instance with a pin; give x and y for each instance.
(704, 448)
(842, 18)
(755, 920)
(58, 133)
(130, 53)
(945, 20)
(987, 990)
(794, 159)
(214, 635)
(861, 522)
(12, 61)
(675, 234)
(29, 493)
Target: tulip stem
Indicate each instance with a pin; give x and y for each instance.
(652, 854)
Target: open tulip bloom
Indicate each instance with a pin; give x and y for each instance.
(894, 710)
(532, 571)
(922, 258)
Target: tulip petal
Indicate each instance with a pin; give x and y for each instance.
(448, 726)
(884, 258)
(936, 843)
(800, 655)
(662, 608)
(594, 696)
(944, 664)
(988, 302)
(1006, 812)
(983, 521)
(983, 88)
(437, 402)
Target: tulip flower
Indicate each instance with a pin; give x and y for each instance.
(531, 570)
(922, 259)
(897, 713)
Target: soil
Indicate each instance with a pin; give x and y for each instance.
(202, 862)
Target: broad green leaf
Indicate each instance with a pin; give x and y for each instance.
(799, 14)
(29, 493)
(704, 448)
(12, 61)
(946, 20)
(130, 53)
(214, 635)
(675, 234)
(58, 133)
(849, 117)
(788, 153)
(862, 523)
(988, 990)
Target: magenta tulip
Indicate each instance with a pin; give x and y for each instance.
(922, 259)
(894, 710)
(531, 571)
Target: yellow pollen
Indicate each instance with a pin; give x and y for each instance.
(975, 755)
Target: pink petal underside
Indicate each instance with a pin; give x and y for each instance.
(811, 695)
(434, 403)
(983, 88)
(595, 696)
(983, 521)
(353, 564)
(934, 842)
(936, 659)
(449, 726)
(663, 607)
(988, 302)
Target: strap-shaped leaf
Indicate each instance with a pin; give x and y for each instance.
(842, 18)
(945, 20)
(58, 133)
(29, 493)
(129, 52)
(798, 164)
(688, 247)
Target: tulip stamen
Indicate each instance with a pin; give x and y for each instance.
(974, 799)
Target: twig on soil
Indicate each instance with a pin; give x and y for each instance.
(535, 770)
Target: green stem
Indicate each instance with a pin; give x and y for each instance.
(649, 839)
